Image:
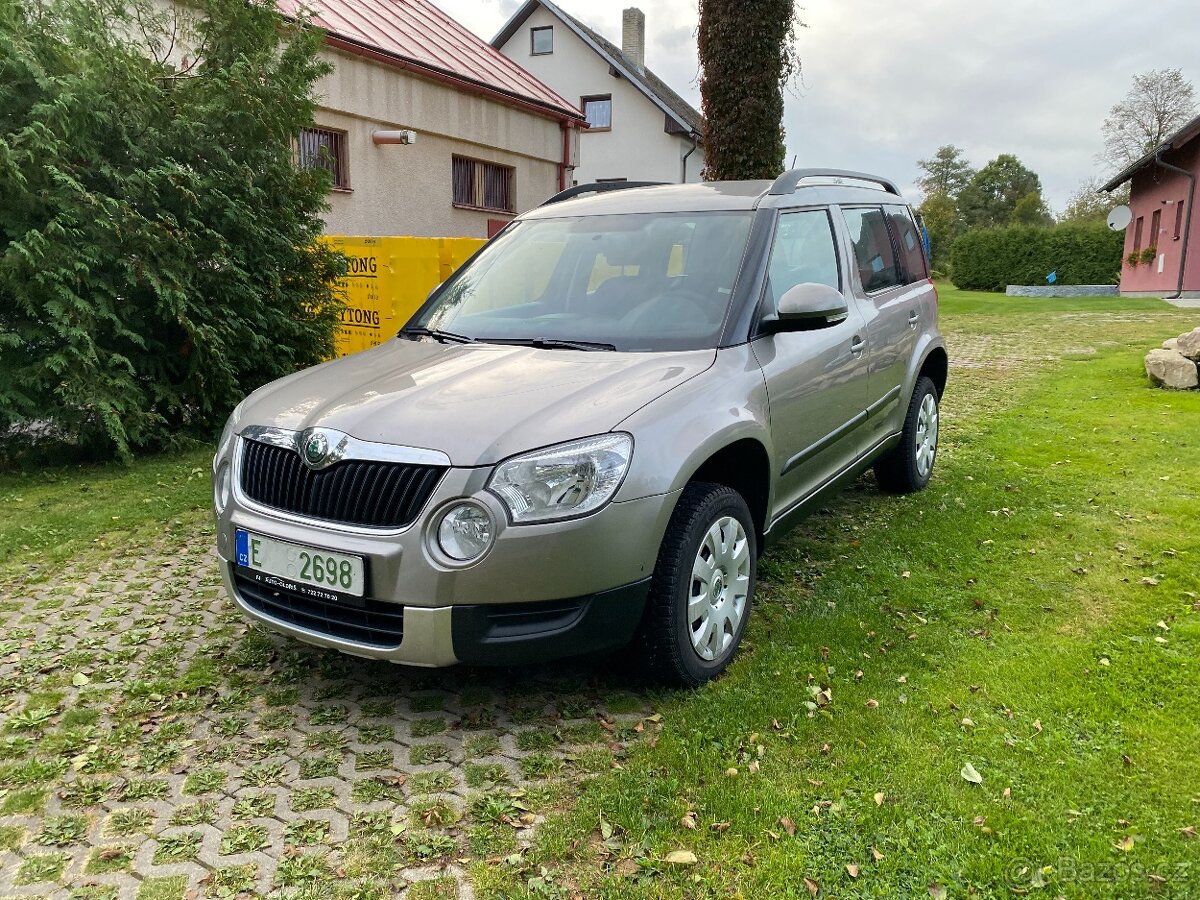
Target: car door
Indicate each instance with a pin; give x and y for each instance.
(817, 379)
(890, 280)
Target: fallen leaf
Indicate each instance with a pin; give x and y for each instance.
(812, 886)
(876, 855)
(1189, 832)
(852, 870)
(689, 821)
(1125, 844)
(937, 891)
(969, 773)
(879, 798)
(79, 679)
(731, 772)
(872, 704)
(681, 858)
(787, 825)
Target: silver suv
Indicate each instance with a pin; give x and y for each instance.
(588, 434)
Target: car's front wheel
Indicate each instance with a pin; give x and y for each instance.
(909, 465)
(703, 587)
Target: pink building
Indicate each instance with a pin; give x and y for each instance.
(1165, 232)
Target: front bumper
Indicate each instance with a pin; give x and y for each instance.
(541, 591)
(475, 634)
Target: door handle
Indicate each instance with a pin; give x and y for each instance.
(913, 318)
(857, 345)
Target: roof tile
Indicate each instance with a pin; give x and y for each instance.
(417, 31)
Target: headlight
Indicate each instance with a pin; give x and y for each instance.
(564, 481)
(465, 532)
(221, 487)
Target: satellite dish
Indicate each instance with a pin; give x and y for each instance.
(1119, 218)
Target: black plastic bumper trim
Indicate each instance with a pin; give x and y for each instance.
(511, 634)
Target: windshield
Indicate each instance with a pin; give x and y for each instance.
(638, 282)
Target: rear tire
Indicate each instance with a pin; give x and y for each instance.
(908, 466)
(703, 587)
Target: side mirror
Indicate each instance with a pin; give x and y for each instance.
(808, 306)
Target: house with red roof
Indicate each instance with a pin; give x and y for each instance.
(1162, 242)
(427, 129)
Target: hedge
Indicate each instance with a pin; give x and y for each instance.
(989, 259)
(158, 252)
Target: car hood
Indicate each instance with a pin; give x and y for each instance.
(477, 403)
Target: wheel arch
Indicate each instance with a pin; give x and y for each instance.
(745, 466)
(936, 366)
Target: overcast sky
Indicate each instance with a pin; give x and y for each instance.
(886, 82)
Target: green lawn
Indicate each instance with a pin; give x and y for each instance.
(1034, 615)
(54, 515)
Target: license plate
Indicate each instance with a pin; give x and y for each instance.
(339, 573)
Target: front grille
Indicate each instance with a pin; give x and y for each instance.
(354, 492)
(370, 622)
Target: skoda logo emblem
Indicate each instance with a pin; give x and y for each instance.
(316, 449)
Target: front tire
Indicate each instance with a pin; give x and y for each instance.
(703, 587)
(908, 467)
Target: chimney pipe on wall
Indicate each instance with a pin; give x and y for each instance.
(633, 36)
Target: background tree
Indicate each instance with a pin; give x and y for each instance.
(1089, 204)
(747, 56)
(993, 195)
(942, 179)
(1158, 104)
(158, 245)
(948, 172)
(939, 213)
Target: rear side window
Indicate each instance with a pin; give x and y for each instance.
(877, 268)
(908, 243)
(803, 251)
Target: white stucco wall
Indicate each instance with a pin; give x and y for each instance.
(637, 148)
(406, 189)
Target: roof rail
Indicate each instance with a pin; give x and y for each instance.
(598, 187)
(789, 181)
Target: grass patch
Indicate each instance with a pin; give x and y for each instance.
(59, 513)
(1034, 614)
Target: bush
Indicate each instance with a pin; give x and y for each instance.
(158, 253)
(989, 259)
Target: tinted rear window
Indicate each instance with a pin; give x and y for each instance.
(873, 255)
(908, 241)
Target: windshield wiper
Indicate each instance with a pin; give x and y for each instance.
(554, 344)
(446, 337)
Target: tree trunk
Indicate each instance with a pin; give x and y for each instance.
(746, 57)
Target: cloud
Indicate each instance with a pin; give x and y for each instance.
(885, 83)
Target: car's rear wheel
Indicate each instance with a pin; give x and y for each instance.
(909, 465)
(703, 587)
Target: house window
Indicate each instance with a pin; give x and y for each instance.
(541, 40)
(482, 185)
(1137, 235)
(1155, 225)
(598, 111)
(324, 148)
(1178, 219)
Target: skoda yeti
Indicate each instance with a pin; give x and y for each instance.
(587, 435)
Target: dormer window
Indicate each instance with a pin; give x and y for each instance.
(541, 40)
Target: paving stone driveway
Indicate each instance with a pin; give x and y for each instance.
(153, 745)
